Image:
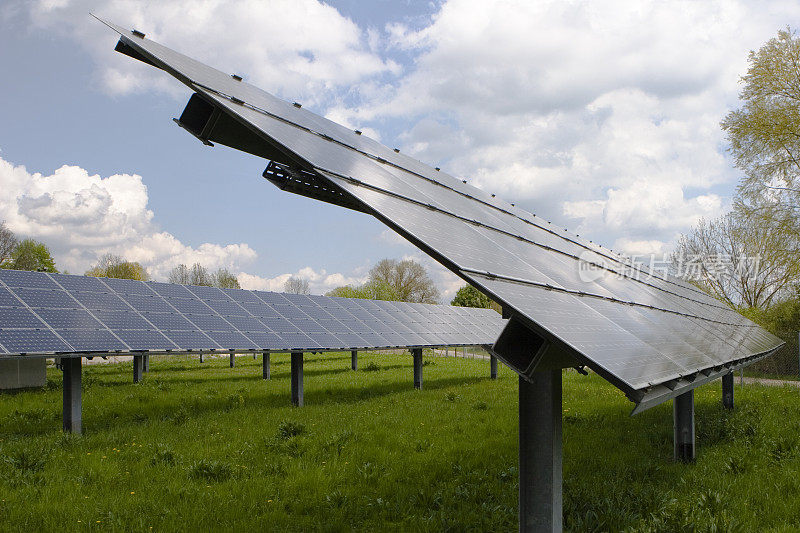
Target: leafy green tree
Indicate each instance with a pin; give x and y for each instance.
(223, 279)
(764, 133)
(8, 241)
(114, 266)
(408, 280)
(469, 296)
(371, 290)
(31, 255)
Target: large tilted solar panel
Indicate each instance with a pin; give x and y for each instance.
(641, 329)
(43, 313)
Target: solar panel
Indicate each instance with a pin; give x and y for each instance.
(637, 327)
(57, 313)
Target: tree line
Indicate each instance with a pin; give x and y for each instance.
(749, 258)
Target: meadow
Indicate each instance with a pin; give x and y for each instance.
(205, 447)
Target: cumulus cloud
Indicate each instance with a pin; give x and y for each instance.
(81, 216)
(302, 49)
(319, 281)
(607, 113)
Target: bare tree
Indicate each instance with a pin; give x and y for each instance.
(180, 275)
(8, 242)
(295, 285)
(408, 279)
(739, 258)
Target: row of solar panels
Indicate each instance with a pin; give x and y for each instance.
(42, 313)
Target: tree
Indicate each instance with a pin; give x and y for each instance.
(295, 285)
(407, 279)
(113, 266)
(764, 133)
(199, 275)
(8, 241)
(223, 279)
(371, 290)
(469, 296)
(31, 255)
(740, 260)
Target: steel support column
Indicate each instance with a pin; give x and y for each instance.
(683, 414)
(201, 358)
(265, 365)
(138, 365)
(72, 394)
(297, 379)
(727, 391)
(540, 499)
(354, 360)
(233, 360)
(146, 363)
(417, 354)
(493, 367)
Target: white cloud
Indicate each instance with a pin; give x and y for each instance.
(81, 217)
(319, 282)
(303, 49)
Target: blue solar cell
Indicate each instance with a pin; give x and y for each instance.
(68, 319)
(299, 340)
(192, 340)
(210, 323)
(101, 301)
(231, 340)
(32, 341)
(272, 298)
(7, 299)
(206, 293)
(290, 312)
(279, 325)
(170, 290)
(17, 317)
(190, 306)
(31, 280)
(227, 308)
(267, 341)
(169, 321)
(352, 340)
(80, 283)
(128, 286)
(240, 296)
(145, 303)
(246, 323)
(145, 340)
(327, 340)
(307, 325)
(115, 320)
(92, 340)
(53, 299)
(260, 309)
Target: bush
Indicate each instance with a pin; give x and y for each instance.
(287, 430)
(210, 470)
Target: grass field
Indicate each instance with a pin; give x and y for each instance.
(205, 447)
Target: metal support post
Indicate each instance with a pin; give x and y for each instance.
(265, 365)
(417, 354)
(683, 414)
(493, 367)
(72, 394)
(233, 360)
(201, 358)
(297, 379)
(146, 363)
(138, 365)
(540, 474)
(354, 360)
(727, 391)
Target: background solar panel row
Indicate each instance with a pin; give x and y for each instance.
(51, 313)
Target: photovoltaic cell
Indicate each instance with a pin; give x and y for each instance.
(92, 317)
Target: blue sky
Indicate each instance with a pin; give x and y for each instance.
(601, 116)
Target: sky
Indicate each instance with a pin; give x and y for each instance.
(602, 116)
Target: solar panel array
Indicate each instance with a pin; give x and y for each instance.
(42, 313)
(635, 326)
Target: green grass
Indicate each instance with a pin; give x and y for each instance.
(205, 447)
